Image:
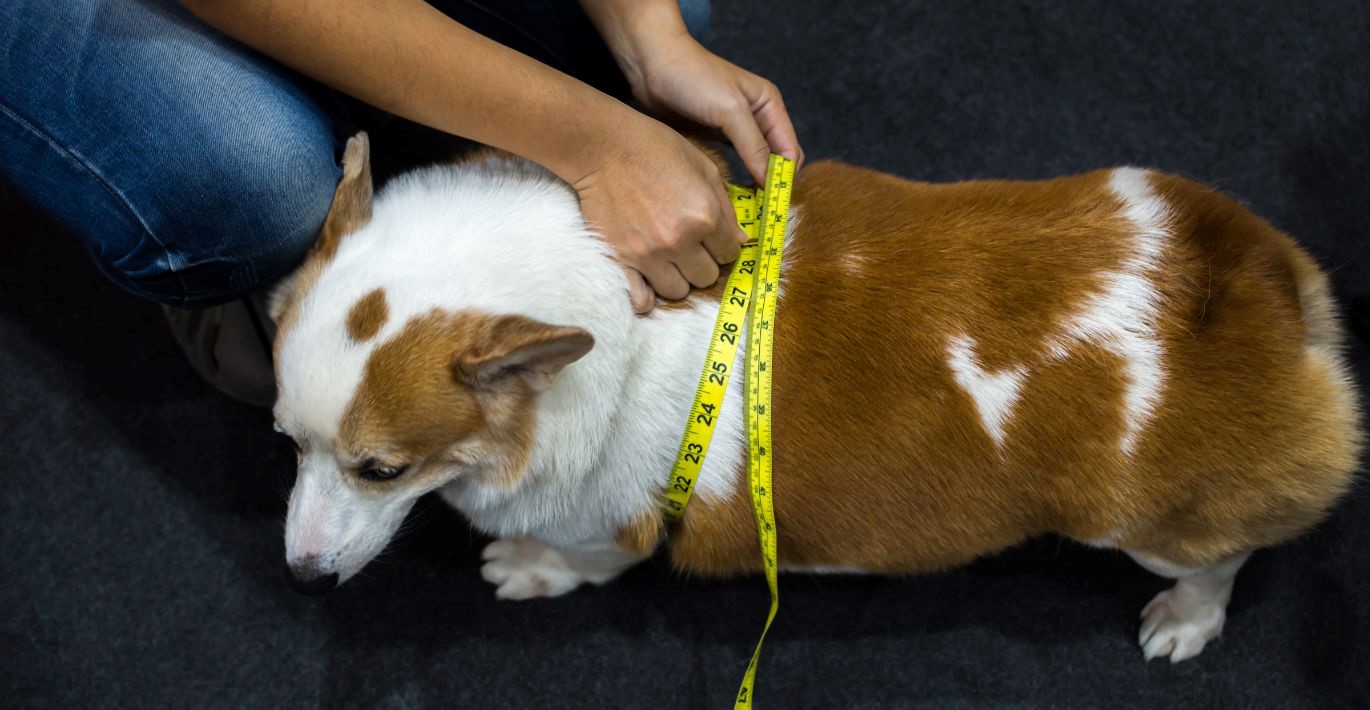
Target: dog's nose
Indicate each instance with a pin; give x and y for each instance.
(305, 579)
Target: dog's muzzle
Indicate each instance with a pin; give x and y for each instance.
(305, 578)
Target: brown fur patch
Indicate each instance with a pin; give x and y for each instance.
(422, 399)
(351, 208)
(367, 316)
(881, 459)
(483, 153)
(410, 404)
(642, 534)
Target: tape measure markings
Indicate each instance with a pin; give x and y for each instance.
(718, 362)
(775, 215)
(750, 294)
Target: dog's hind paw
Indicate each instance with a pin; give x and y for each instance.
(525, 568)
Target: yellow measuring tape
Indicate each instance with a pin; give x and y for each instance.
(750, 293)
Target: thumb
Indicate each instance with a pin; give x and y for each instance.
(639, 293)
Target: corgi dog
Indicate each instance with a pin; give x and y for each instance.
(1125, 358)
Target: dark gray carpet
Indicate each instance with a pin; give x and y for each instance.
(140, 518)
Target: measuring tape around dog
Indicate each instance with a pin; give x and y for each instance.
(758, 264)
(713, 381)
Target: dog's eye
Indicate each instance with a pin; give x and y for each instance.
(376, 472)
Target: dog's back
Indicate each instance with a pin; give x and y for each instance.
(1124, 357)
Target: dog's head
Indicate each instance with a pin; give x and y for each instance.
(388, 396)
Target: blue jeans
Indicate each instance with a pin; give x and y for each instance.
(196, 170)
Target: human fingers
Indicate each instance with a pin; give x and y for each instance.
(698, 267)
(724, 243)
(740, 126)
(768, 108)
(665, 279)
(639, 293)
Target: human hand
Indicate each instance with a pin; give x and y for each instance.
(661, 203)
(675, 75)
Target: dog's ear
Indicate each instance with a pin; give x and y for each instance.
(515, 346)
(351, 208)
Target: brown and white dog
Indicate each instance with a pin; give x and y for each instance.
(1126, 358)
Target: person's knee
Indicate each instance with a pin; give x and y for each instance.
(237, 185)
(230, 223)
(247, 222)
(210, 169)
(284, 187)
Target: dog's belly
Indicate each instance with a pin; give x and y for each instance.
(961, 367)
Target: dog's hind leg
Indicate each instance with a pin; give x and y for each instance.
(1180, 620)
(526, 568)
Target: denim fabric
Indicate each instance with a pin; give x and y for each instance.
(194, 169)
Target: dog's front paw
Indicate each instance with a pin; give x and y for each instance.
(1170, 627)
(524, 568)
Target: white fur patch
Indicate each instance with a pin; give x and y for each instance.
(1121, 315)
(333, 525)
(1180, 621)
(853, 265)
(994, 394)
(523, 568)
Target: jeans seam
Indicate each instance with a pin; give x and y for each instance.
(75, 158)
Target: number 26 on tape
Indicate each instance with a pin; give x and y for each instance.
(729, 334)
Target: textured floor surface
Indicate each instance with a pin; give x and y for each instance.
(140, 513)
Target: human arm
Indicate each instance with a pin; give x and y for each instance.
(671, 73)
(407, 58)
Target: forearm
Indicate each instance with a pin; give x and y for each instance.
(409, 59)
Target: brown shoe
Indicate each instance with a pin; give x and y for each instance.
(230, 346)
